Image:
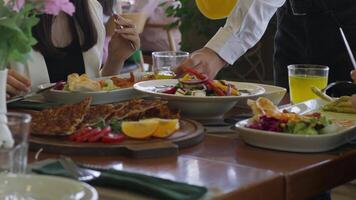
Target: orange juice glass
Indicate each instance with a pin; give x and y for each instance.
(302, 77)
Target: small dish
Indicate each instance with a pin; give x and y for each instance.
(42, 187)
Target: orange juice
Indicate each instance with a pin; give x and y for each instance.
(300, 87)
(216, 9)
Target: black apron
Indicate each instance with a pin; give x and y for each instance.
(59, 67)
(308, 33)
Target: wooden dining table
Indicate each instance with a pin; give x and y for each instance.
(231, 169)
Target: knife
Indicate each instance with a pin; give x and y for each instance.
(19, 98)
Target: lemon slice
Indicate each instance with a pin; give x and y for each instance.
(216, 9)
(139, 129)
(166, 127)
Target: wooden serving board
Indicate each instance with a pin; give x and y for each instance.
(189, 134)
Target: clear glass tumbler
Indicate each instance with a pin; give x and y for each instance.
(165, 61)
(14, 160)
(302, 77)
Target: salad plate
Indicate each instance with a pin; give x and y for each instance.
(98, 97)
(302, 142)
(41, 187)
(199, 107)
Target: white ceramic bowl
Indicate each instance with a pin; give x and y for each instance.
(40, 187)
(100, 97)
(199, 107)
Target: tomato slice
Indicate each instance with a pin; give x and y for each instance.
(113, 138)
(78, 133)
(84, 137)
(96, 137)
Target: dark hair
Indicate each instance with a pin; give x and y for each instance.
(107, 6)
(43, 30)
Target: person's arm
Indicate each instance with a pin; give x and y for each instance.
(244, 27)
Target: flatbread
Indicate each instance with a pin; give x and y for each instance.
(97, 113)
(60, 121)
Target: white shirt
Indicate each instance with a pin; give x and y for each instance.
(243, 28)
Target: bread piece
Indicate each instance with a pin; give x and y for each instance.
(61, 120)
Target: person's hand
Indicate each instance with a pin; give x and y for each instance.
(203, 60)
(353, 75)
(125, 40)
(16, 84)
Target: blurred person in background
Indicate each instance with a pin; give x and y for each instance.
(73, 44)
(155, 38)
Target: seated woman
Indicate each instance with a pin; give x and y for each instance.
(74, 44)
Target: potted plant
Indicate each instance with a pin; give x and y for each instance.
(17, 17)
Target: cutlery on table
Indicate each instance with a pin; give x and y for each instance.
(78, 173)
(19, 98)
(352, 58)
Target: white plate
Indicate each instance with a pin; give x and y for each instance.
(299, 143)
(199, 107)
(39, 187)
(273, 93)
(100, 97)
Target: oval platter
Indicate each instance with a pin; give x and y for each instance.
(189, 134)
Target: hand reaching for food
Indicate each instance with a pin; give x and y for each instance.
(205, 61)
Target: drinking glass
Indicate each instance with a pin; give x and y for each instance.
(302, 77)
(14, 160)
(165, 61)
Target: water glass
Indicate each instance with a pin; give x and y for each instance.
(165, 61)
(14, 160)
(302, 77)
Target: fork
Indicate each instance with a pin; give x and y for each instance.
(93, 166)
(78, 173)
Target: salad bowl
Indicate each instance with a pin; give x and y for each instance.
(301, 142)
(199, 107)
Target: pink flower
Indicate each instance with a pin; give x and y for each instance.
(17, 5)
(53, 7)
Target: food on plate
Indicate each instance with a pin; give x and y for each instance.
(153, 127)
(194, 83)
(105, 123)
(59, 121)
(97, 112)
(342, 104)
(267, 117)
(139, 129)
(166, 127)
(82, 83)
(138, 108)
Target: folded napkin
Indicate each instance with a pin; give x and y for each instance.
(143, 184)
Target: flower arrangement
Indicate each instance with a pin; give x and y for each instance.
(17, 17)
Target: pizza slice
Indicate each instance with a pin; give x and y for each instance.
(61, 120)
